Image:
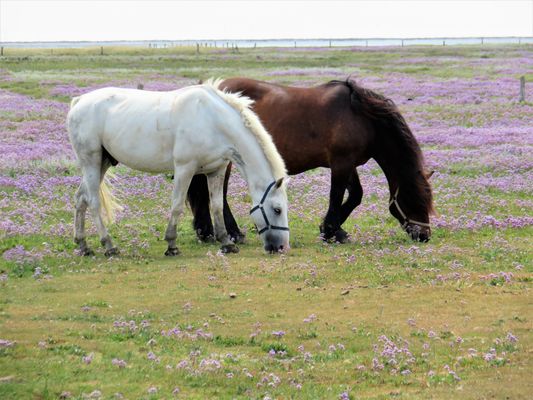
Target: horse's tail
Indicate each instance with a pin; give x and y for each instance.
(392, 127)
(74, 101)
(108, 201)
(251, 121)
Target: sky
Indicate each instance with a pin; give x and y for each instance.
(99, 20)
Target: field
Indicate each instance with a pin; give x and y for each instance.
(381, 317)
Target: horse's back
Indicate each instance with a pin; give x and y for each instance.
(148, 131)
(307, 119)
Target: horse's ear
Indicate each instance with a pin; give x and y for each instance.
(430, 174)
(279, 182)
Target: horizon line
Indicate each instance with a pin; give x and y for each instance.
(271, 39)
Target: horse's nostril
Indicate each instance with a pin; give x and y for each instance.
(281, 248)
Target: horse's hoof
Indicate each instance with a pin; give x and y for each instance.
(205, 237)
(87, 252)
(341, 236)
(113, 251)
(229, 248)
(171, 252)
(326, 234)
(238, 238)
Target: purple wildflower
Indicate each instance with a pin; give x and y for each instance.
(511, 338)
(119, 363)
(88, 359)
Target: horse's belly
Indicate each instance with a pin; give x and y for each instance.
(149, 153)
(151, 164)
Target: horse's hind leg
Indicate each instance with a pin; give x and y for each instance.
(198, 195)
(331, 226)
(105, 239)
(79, 220)
(355, 194)
(182, 180)
(215, 182)
(88, 196)
(229, 221)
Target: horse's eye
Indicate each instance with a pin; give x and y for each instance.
(277, 210)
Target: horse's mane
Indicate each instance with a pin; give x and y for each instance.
(387, 120)
(242, 104)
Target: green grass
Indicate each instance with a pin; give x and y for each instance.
(357, 292)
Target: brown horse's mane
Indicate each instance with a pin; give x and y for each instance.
(390, 125)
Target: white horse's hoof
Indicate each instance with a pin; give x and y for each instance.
(171, 252)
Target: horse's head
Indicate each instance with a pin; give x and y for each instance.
(413, 211)
(270, 218)
(414, 222)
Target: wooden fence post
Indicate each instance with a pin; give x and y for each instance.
(101, 50)
(522, 89)
(2, 51)
(140, 86)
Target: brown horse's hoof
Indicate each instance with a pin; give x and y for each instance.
(205, 237)
(229, 248)
(172, 251)
(341, 236)
(113, 251)
(238, 238)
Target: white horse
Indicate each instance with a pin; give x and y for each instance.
(194, 130)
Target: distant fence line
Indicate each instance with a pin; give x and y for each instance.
(300, 43)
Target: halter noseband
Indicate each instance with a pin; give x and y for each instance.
(260, 207)
(406, 221)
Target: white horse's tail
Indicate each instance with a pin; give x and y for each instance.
(108, 201)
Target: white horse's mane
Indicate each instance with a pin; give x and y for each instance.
(251, 121)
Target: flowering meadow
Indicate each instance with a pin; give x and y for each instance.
(379, 317)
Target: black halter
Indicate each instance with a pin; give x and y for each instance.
(406, 221)
(260, 207)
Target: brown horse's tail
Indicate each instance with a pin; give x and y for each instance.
(395, 143)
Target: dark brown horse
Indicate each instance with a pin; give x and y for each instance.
(339, 125)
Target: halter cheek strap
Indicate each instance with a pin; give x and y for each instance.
(260, 207)
(406, 221)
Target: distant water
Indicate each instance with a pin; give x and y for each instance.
(277, 42)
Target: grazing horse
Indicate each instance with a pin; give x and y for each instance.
(194, 130)
(339, 125)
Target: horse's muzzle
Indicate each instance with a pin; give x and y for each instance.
(275, 244)
(418, 233)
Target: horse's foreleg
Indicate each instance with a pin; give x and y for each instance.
(215, 182)
(198, 195)
(231, 225)
(330, 227)
(182, 179)
(355, 195)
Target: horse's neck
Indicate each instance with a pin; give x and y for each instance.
(252, 163)
(391, 164)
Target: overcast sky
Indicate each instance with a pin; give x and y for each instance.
(95, 20)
